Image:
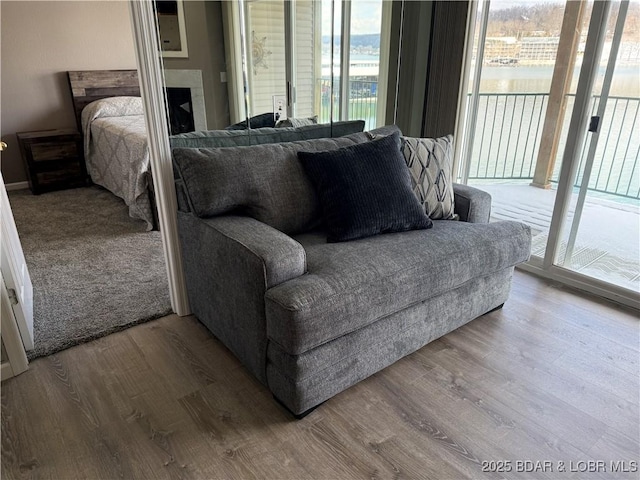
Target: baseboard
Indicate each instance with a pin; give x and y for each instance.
(6, 371)
(16, 186)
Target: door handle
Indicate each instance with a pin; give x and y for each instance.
(3, 146)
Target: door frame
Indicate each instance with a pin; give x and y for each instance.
(15, 272)
(16, 313)
(16, 362)
(150, 74)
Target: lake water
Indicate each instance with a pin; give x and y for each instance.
(509, 128)
(537, 79)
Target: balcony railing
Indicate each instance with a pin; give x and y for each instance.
(363, 102)
(505, 144)
(508, 133)
(616, 168)
(509, 128)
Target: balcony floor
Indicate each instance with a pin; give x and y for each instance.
(608, 241)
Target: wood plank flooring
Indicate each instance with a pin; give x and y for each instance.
(552, 377)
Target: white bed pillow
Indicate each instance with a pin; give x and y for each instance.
(108, 107)
(111, 107)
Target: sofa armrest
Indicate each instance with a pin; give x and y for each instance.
(280, 257)
(471, 204)
(229, 264)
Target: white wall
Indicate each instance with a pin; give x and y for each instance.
(40, 41)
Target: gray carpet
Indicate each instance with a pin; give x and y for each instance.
(94, 269)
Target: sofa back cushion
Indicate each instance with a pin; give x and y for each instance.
(265, 182)
(257, 121)
(260, 136)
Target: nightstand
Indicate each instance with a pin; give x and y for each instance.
(54, 159)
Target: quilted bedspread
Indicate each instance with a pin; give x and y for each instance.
(116, 153)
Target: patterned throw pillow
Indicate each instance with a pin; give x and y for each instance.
(431, 164)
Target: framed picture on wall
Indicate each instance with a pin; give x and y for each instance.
(171, 27)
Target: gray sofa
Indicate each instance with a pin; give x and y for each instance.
(310, 318)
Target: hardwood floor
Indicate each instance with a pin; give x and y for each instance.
(552, 377)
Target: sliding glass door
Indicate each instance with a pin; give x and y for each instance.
(600, 234)
(552, 133)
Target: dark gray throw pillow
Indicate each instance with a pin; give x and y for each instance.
(364, 190)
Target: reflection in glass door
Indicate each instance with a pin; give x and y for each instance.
(324, 58)
(351, 76)
(366, 67)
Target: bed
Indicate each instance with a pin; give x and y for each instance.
(109, 113)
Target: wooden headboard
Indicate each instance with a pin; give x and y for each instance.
(90, 85)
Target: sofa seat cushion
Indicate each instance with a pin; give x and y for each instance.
(353, 284)
(301, 381)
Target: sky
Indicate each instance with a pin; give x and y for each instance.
(365, 16)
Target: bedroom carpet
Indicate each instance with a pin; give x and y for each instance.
(94, 269)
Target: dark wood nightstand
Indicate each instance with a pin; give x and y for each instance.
(54, 159)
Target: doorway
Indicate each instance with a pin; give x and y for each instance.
(79, 280)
